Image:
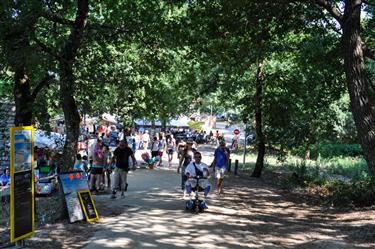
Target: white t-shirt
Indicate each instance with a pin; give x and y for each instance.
(191, 169)
(145, 137)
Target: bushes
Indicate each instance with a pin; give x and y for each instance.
(337, 181)
(332, 191)
(329, 150)
(357, 194)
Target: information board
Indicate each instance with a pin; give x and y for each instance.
(71, 183)
(88, 205)
(21, 182)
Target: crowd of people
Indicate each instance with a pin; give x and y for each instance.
(112, 156)
(109, 159)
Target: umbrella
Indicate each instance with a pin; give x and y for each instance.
(53, 140)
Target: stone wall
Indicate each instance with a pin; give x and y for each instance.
(7, 114)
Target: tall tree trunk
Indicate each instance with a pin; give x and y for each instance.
(357, 83)
(71, 115)
(258, 122)
(22, 98)
(68, 104)
(164, 123)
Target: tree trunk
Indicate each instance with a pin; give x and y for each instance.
(22, 98)
(71, 115)
(258, 123)
(357, 83)
(164, 124)
(68, 104)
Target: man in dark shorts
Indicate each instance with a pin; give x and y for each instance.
(121, 157)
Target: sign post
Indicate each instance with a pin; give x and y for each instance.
(22, 204)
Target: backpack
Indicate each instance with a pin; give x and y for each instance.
(197, 171)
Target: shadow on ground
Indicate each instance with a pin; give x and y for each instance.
(251, 214)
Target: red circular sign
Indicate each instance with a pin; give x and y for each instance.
(236, 131)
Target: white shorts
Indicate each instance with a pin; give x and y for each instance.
(219, 173)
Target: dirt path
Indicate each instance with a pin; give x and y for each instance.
(251, 214)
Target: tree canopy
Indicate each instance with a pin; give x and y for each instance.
(289, 62)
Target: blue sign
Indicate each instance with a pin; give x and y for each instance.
(71, 183)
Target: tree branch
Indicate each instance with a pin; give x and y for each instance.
(332, 25)
(44, 82)
(45, 48)
(57, 19)
(332, 9)
(108, 30)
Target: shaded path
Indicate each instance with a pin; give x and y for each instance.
(251, 214)
(256, 216)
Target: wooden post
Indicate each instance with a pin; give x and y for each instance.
(229, 164)
(235, 167)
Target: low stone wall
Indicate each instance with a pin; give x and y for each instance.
(49, 209)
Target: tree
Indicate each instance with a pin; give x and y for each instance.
(354, 53)
(30, 71)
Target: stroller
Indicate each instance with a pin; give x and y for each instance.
(196, 204)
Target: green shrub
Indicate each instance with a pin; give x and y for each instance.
(358, 193)
(329, 150)
(351, 167)
(333, 192)
(335, 150)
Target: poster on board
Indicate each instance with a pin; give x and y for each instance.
(22, 204)
(71, 183)
(88, 205)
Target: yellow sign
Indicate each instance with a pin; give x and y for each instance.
(88, 205)
(22, 204)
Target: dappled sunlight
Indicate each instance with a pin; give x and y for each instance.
(250, 214)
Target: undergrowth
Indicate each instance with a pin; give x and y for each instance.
(337, 181)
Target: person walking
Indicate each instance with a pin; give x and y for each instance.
(186, 157)
(220, 162)
(170, 150)
(155, 147)
(134, 145)
(162, 146)
(121, 158)
(106, 177)
(146, 140)
(98, 156)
